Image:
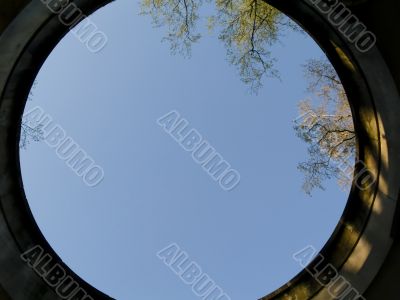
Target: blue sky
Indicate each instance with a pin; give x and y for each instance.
(153, 193)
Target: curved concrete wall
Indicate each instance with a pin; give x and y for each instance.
(364, 249)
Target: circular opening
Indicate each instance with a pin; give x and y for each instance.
(123, 130)
(24, 53)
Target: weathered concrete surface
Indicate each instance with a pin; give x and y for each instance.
(382, 17)
(365, 246)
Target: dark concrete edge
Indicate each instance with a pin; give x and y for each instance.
(18, 217)
(349, 218)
